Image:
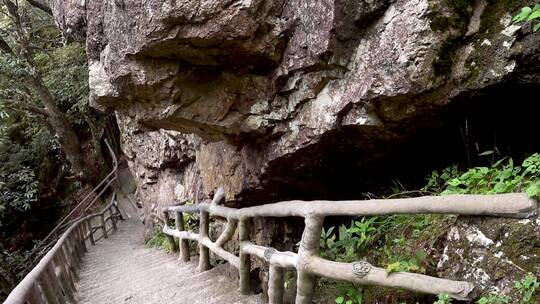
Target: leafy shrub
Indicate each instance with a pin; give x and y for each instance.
(351, 240)
(413, 264)
(502, 177)
(443, 298)
(350, 294)
(494, 299)
(159, 240)
(527, 287)
(529, 14)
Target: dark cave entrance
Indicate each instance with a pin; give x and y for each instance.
(503, 119)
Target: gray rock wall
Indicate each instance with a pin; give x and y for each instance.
(274, 98)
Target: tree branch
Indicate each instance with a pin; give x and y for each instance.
(4, 47)
(42, 5)
(24, 106)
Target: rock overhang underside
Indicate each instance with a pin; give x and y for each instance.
(298, 98)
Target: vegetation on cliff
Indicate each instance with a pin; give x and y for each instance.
(414, 243)
(49, 138)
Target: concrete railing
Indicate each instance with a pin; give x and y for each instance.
(307, 262)
(52, 280)
(90, 198)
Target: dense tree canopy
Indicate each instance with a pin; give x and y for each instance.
(44, 123)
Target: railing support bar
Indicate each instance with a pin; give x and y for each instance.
(204, 252)
(82, 240)
(245, 259)
(62, 261)
(170, 239)
(275, 285)
(183, 243)
(48, 290)
(309, 246)
(113, 219)
(55, 283)
(90, 232)
(35, 296)
(103, 225)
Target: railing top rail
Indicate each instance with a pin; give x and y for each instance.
(20, 292)
(508, 205)
(308, 263)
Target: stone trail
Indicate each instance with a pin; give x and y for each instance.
(121, 269)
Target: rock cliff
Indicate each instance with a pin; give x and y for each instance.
(281, 99)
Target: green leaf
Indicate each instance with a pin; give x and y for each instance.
(455, 182)
(534, 15)
(393, 267)
(522, 16)
(536, 27)
(498, 162)
(489, 152)
(421, 256)
(339, 300)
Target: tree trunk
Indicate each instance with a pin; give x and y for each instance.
(67, 138)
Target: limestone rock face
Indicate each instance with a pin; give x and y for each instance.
(163, 164)
(493, 253)
(277, 99)
(272, 85)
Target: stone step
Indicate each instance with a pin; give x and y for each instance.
(121, 269)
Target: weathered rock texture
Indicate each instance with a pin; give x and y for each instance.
(288, 98)
(279, 88)
(494, 253)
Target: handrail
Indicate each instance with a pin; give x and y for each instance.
(52, 279)
(89, 195)
(307, 262)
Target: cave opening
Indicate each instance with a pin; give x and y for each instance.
(472, 130)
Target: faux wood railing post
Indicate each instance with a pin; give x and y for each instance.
(64, 264)
(275, 285)
(55, 282)
(113, 219)
(82, 241)
(48, 290)
(183, 243)
(309, 246)
(103, 225)
(75, 250)
(204, 252)
(63, 278)
(245, 259)
(69, 258)
(34, 296)
(90, 232)
(170, 239)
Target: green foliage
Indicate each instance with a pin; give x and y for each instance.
(527, 287)
(349, 294)
(529, 14)
(31, 165)
(65, 73)
(159, 240)
(18, 191)
(502, 177)
(191, 220)
(351, 240)
(494, 299)
(443, 298)
(413, 264)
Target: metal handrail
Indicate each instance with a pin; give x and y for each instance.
(113, 174)
(307, 262)
(52, 279)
